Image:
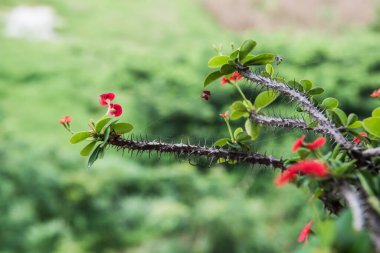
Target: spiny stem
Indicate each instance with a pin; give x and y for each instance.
(302, 100)
(372, 152)
(194, 150)
(285, 123)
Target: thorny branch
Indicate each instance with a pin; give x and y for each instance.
(193, 150)
(285, 123)
(323, 122)
(371, 152)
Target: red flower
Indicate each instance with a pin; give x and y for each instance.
(285, 177)
(310, 167)
(376, 94)
(106, 98)
(236, 76)
(65, 120)
(318, 143)
(358, 140)
(303, 237)
(115, 110)
(307, 167)
(298, 143)
(224, 115)
(206, 94)
(224, 81)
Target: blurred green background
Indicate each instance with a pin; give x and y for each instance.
(153, 55)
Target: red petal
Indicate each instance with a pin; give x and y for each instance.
(310, 167)
(376, 93)
(66, 119)
(318, 143)
(298, 143)
(224, 81)
(105, 98)
(224, 115)
(305, 232)
(236, 76)
(358, 140)
(115, 110)
(285, 177)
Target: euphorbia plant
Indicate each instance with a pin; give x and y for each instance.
(340, 166)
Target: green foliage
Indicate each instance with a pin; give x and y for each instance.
(261, 59)
(264, 99)
(330, 103)
(79, 136)
(372, 125)
(218, 61)
(246, 48)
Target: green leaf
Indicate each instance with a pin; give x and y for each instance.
(239, 107)
(217, 61)
(243, 137)
(342, 116)
(106, 136)
(351, 119)
(252, 129)
(221, 160)
(122, 128)
(376, 112)
(330, 103)
(248, 58)
(212, 77)
(306, 84)
(248, 105)
(366, 182)
(227, 69)
(356, 124)
(87, 149)
(261, 59)
(264, 99)
(238, 131)
(372, 126)
(235, 115)
(246, 48)
(295, 85)
(101, 123)
(234, 55)
(316, 91)
(269, 69)
(79, 136)
(221, 142)
(94, 156)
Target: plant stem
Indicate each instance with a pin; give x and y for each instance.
(229, 129)
(240, 91)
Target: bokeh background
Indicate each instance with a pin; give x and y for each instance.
(153, 54)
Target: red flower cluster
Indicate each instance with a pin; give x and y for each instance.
(206, 94)
(307, 167)
(65, 120)
(303, 237)
(376, 94)
(358, 140)
(113, 109)
(234, 78)
(224, 115)
(318, 143)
